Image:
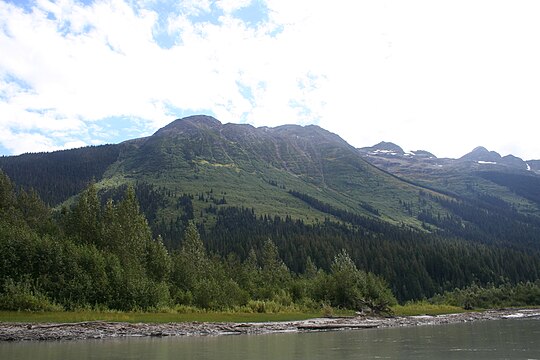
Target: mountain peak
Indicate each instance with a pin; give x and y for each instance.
(423, 154)
(514, 161)
(480, 153)
(189, 123)
(384, 147)
(390, 146)
(479, 149)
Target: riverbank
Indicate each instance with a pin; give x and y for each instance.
(107, 330)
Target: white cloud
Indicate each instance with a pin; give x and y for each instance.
(195, 7)
(228, 6)
(25, 142)
(447, 79)
(424, 74)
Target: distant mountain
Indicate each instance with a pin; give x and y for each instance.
(423, 154)
(533, 165)
(391, 150)
(479, 172)
(386, 148)
(514, 161)
(481, 154)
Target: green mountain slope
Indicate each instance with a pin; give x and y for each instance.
(257, 167)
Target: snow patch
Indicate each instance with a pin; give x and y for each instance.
(385, 152)
(528, 167)
(487, 162)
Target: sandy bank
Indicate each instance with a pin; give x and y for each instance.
(104, 330)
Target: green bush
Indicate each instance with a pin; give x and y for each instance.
(22, 296)
(505, 295)
(269, 307)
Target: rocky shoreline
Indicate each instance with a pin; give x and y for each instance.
(108, 330)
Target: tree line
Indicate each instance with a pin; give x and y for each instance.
(416, 264)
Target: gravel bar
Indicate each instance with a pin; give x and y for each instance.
(109, 330)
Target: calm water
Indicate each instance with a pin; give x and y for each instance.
(503, 339)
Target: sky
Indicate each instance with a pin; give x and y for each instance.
(442, 76)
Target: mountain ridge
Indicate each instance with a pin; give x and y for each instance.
(298, 155)
(479, 153)
(307, 153)
(476, 173)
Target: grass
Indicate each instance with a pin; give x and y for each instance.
(422, 308)
(411, 309)
(146, 317)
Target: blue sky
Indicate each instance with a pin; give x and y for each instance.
(435, 75)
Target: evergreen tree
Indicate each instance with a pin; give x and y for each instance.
(250, 276)
(190, 265)
(133, 231)
(36, 214)
(84, 222)
(9, 211)
(158, 261)
(274, 273)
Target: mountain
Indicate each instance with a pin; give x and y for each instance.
(404, 215)
(242, 165)
(257, 167)
(384, 147)
(534, 165)
(479, 172)
(389, 149)
(423, 154)
(481, 154)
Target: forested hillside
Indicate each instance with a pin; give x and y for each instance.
(103, 256)
(58, 175)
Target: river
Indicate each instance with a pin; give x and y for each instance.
(497, 339)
